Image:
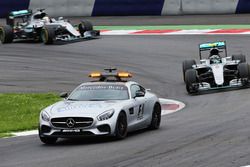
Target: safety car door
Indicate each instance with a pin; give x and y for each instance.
(139, 102)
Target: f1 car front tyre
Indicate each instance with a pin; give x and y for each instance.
(156, 117)
(6, 34)
(121, 129)
(187, 64)
(48, 35)
(85, 26)
(240, 57)
(191, 80)
(243, 70)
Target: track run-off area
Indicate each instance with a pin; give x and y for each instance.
(212, 130)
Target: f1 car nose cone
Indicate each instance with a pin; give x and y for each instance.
(70, 122)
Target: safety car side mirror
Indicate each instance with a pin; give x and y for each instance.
(64, 95)
(139, 93)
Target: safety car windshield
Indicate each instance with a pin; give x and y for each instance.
(99, 93)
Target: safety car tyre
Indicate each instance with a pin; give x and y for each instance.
(121, 129)
(240, 57)
(47, 140)
(6, 34)
(187, 64)
(156, 117)
(243, 70)
(85, 26)
(48, 35)
(191, 79)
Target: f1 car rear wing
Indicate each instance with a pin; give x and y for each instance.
(208, 46)
(17, 14)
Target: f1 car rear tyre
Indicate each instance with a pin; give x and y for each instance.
(85, 26)
(243, 70)
(121, 129)
(187, 64)
(240, 57)
(156, 117)
(6, 34)
(191, 79)
(48, 35)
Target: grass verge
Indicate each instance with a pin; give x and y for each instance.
(19, 111)
(173, 27)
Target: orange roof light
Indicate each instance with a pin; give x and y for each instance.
(95, 75)
(124, 75)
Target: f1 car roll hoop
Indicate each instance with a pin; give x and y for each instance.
(38, 26)
(215, 71)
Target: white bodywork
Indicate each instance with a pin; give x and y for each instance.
(138, 111)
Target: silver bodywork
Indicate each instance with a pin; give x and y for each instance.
(138, 112)
(217, 71)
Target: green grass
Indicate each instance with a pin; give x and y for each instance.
(172, 27)
(20, 112)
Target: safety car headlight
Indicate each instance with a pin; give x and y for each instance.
(45, 116)
(105, 115)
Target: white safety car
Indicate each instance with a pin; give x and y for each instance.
(111, 106)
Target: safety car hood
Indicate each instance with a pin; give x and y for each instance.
(218, 73)
(81, 108)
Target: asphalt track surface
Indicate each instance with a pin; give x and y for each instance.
(213, 130)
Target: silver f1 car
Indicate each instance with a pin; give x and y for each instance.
(25, 24)
(215, 71)
(109, 106)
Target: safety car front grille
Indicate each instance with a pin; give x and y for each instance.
(72, 122)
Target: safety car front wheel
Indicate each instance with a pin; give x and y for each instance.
(6, 34)
(121, 130)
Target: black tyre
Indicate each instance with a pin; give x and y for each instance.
(121, 130)
(48, 35)
(156, 117)
(191, 79)
(243, 70)
(6, 34)
(47, 140)
(187, 64)
(85, 26)
(240, 57)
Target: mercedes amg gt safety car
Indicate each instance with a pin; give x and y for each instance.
(110, 105)
(25, 24)
(216, 70)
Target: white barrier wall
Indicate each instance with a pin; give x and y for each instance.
(64, 7)
(209, 6)
(172, 7)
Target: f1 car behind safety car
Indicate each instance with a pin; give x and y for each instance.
(216, 70)
(25, 24)
(109, 106)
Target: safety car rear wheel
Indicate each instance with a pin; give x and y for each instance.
(85, 26)
(187, 64)
(156, 117)
(240, 57)
(6, 34)
(191, 81)
(48, 35)
(121, 129)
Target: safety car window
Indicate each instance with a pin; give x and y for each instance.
(135, 88)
